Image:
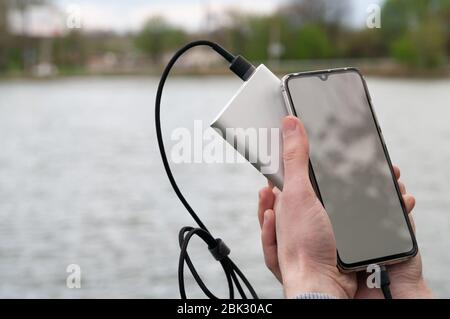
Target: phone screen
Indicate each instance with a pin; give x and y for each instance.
(351, 167)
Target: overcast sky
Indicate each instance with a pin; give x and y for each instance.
(129, 15)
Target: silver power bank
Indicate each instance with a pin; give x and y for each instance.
(256, 109)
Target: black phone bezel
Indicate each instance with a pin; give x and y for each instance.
(379, 260)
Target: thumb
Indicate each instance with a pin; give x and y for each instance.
(295, 152)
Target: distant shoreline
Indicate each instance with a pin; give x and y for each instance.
(382, 70)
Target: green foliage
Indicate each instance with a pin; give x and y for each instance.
(417, 31)
(14, 60)
(252, 36)
(157, 37)
(366, 43)
(311, 42)
(421, 48)
(257, 38)
(70, 51)
(405, 50)
(400, 16)
(414, 32)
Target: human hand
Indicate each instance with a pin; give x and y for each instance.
(406, 278)
(297, 236)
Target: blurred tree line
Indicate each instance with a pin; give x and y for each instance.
(416, 33)
(69, 51)
(14, 49)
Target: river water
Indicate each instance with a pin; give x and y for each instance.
(81, 182)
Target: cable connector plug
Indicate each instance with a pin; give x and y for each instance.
(242, 68)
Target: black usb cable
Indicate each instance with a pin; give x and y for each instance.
(243, 69)
(385, 283)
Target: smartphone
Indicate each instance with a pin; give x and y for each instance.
(350, 168)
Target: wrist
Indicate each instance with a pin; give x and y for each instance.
(418, 290)
(309, 278)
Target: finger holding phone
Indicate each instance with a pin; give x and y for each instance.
(341, 198)
(298, 241)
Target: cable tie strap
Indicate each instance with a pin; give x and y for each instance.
(220, 250)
